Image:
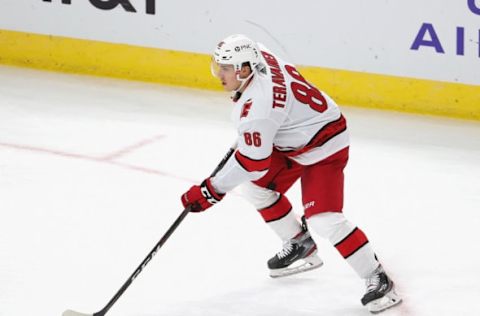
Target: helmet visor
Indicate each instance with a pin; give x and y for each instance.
(217, 68)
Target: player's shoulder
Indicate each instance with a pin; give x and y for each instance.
(256, 101)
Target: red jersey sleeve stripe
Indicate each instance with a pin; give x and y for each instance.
(352, 243)
(251, 164)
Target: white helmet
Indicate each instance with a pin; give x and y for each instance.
(236, 50)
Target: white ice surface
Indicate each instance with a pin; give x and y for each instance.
(91, 171)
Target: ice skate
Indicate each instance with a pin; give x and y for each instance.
(380, 293)
(299, 254)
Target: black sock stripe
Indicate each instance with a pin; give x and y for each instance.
(346, 237)
(278, 200)
(279, 218)
(353, 252)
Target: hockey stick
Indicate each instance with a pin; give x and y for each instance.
(152, 253)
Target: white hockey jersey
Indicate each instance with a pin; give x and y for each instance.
(280, 110)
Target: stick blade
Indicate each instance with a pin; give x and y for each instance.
(69, 312)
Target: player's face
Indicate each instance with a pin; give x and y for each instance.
(227, 75)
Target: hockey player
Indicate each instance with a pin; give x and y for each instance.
(289, 130)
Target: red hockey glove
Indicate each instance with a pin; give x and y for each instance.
(200, 197)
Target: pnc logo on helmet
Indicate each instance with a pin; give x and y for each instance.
(242, 47)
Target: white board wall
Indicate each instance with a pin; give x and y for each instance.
(428, 39)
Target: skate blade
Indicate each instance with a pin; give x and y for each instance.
(307, 264)
(389, 300)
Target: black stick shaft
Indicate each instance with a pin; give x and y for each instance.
(224, 160)
(160, 243)
(145, 261)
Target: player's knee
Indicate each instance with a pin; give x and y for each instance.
(260, 197)
(331, 225)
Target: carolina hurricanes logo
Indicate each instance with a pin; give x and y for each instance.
(246, 108)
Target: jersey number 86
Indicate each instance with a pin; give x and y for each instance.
(304, 92)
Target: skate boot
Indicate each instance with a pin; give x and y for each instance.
(380, 293)
(299, 254)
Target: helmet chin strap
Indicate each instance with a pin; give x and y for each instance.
(243, 83)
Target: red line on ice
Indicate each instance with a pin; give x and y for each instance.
(131, 148)
(106, 159)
